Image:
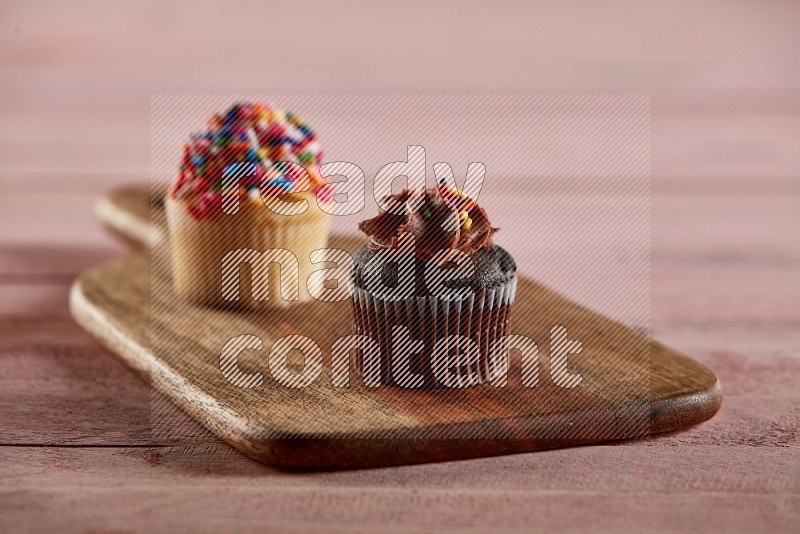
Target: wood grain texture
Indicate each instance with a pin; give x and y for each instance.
(209, 488)
(58, 387)
(725, 130)
(734, 472)
(724, 101)
(114, 303)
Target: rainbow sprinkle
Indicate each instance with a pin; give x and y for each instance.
(458, 201)
(255, 136)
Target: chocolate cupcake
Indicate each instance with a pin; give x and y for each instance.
(431, 291)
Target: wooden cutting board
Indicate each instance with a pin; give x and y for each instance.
(631, 384)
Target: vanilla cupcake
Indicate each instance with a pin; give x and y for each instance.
(248, 191)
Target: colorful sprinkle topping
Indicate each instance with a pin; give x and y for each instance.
(241, 145)
(458, 201)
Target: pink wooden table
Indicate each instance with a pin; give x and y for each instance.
(77, 452)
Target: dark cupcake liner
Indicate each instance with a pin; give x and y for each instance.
(483, 317)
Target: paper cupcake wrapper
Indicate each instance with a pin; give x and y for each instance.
(482, 317)
(199, 249)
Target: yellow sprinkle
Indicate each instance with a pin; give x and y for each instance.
(464, 215)
(467, 224)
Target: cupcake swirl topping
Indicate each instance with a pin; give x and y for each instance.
(246, 142)
(438, 219)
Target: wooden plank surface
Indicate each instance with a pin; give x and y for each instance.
(739, 325)
(738, 469)
(564, 489)
(76, 87)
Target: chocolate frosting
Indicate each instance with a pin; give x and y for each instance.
(493, 267)
(435, 225)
